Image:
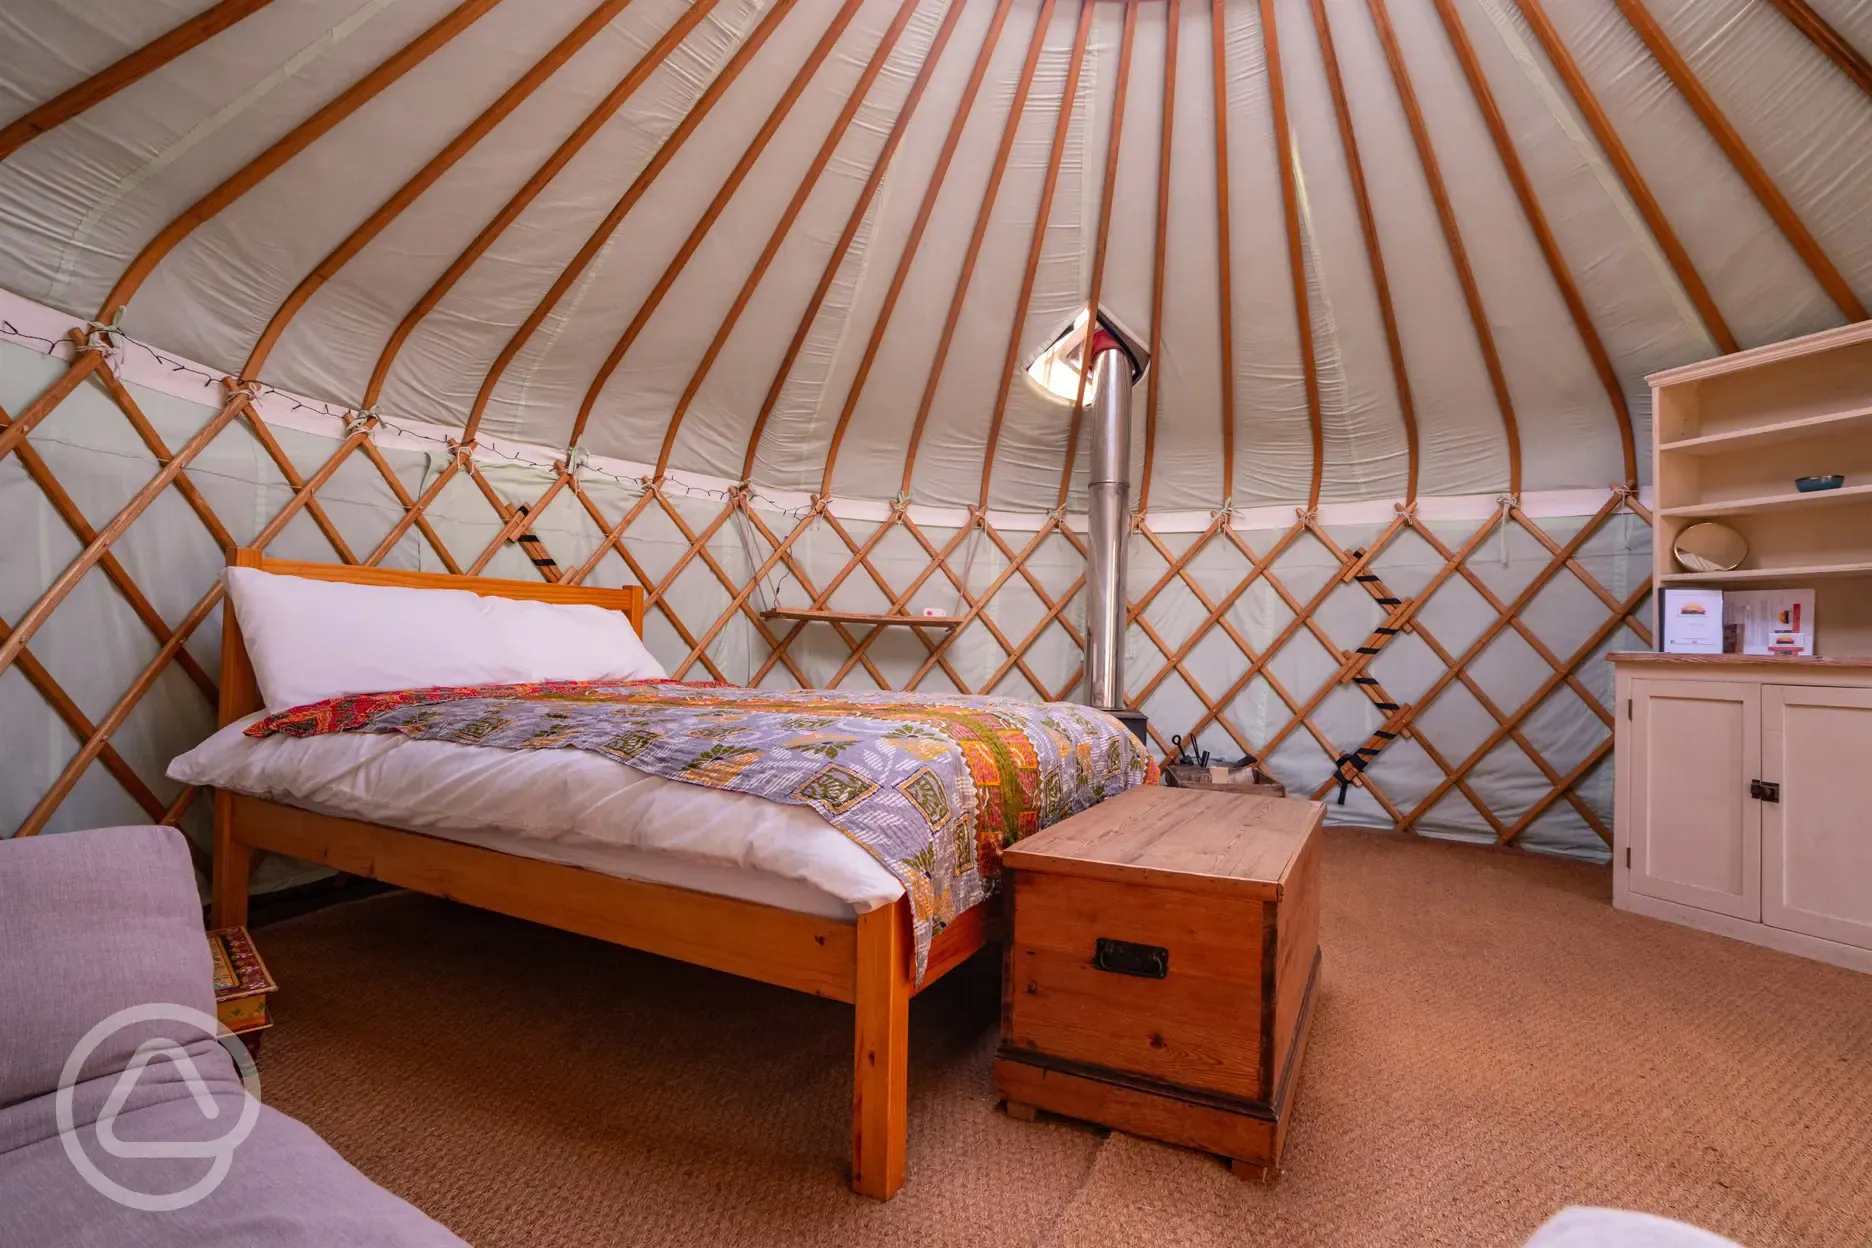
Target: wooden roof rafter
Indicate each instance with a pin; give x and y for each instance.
(1452, 236)
(127, 70)
(861, 206)
(1068, 99)
(1635, 184)
(914, 242)
(1678, 70)
(1484, 98)
(1374, 251)
(568, 148)
(1107, 194)
(1153, 392)
(464, 142)
(1225, 250)
(1831, 43)
(834, 137)
(645, 179)
(295, 141)
(732, 184)
(1296, 245)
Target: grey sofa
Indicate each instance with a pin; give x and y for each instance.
(92, 923)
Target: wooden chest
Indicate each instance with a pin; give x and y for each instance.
(1162, 968)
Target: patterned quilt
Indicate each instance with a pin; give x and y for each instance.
(931, 786)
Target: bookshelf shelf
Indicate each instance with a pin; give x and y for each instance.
(1731, 435)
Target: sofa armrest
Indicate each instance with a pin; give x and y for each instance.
(92, 923)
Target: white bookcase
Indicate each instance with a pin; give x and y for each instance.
(1731, 435)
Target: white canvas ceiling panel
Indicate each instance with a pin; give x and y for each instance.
(721, 422)
(972, 378)
(331, 346)
(1274, 460)
(1641, 314)
(1800, 117)
(254, 252)
(1366, 449)
(558, 365)
(440, 370)
(1568, 429)
(1462, 435)
(1758, 283)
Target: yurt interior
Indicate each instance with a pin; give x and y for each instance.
(1036, 623)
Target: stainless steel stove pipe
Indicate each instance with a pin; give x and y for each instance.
(1108, 522)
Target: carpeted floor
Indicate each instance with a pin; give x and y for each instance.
(1493, 1042)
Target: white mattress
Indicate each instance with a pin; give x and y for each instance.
(565, 806)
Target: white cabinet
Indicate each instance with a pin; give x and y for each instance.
(1697, 834)
(1817, 840)
(1742, 803)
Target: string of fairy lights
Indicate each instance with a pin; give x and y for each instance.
(117, 343)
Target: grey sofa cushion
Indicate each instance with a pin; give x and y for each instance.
(92, 923)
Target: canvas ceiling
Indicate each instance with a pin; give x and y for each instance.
(80, 204)
(807, 247)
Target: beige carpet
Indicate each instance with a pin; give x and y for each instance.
(1493, 1042)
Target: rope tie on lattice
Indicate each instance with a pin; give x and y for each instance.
(361, 421)
(900, 502)
(576, 459)
(1509, 504)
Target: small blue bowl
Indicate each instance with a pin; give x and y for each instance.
(1809, 485)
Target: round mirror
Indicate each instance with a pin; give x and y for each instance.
(1710, 547)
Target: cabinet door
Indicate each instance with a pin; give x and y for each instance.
(1817, 840)
(1696, 837)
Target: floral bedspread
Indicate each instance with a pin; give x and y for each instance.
(932, 786)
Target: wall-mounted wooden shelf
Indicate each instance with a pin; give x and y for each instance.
(1800, 572)
(1852, 420)
(859, 617)
(1773, 502)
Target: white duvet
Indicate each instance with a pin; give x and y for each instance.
(564, 806)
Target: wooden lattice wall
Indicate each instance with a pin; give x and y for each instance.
(1215, 568)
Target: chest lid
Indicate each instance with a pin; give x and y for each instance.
(1187, 839)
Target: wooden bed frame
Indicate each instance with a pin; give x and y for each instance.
(866, 962)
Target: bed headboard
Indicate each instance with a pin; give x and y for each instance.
(240, 692)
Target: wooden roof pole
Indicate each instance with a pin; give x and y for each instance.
(1374, 252)
(914, 241)
(1635, 185)
(969, 258)
(1225, 249)
(1829, 41)
(1537, 222)
(758, 144)
(1166, 144)
(1296, 250)
(856, 220)
(1068, 97)
(529, 191)
(300, 137)
(1788, 221)
(126, 70)
(1104, 238)
(427, 176)
(808, 184)
(1452, 237)
(641, 183)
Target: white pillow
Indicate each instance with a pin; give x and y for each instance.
(311, 640)
(561, 641)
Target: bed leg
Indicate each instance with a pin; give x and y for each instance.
(881, 1077)
(233, 863)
